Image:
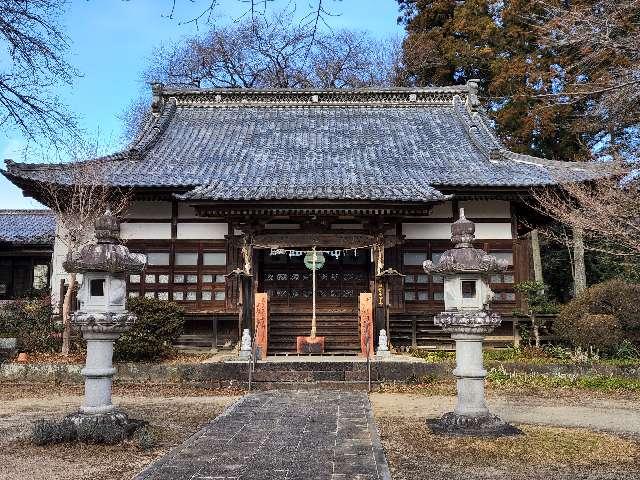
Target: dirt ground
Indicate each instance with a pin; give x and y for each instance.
(173, 414)
(546, 450)
(549, 448)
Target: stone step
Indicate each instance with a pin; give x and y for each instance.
(306, 376)
(320, 385)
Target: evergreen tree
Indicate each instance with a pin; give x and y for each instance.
(450, 42)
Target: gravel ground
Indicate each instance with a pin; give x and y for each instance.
(173, 414)
(612, 415)
(543, 452)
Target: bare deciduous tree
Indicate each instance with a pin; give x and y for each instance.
(270, 53)
(35, 47)
(606, 212)
(77, 204)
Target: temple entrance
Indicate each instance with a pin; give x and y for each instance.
(339, 282)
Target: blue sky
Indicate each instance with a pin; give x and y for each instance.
(111, 41)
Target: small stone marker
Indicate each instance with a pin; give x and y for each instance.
(383, 348)
(245, 344)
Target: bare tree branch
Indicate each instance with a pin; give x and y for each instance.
(607, 212)
(268, 53)
(77, 203)
(36, 46)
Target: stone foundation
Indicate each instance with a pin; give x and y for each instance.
(473, 426)
(105, 428)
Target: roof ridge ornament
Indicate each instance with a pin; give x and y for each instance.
(107, 228)
(157, 99)
(463, 232)
(472, 98)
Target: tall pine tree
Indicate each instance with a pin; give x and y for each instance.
(497, 42)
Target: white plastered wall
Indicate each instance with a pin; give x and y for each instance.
(202, 231)
(145, 230)
(476, 209)
(486, 208)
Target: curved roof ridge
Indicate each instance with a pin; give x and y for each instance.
(468, 118)
(172, 91)
(484, 136)
(147, 137)
(154, 131)
(26, 211)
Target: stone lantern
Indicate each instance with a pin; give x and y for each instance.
(467, 297)
(102, 316)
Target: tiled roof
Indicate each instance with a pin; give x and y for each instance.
(388, 145)
(27, 227)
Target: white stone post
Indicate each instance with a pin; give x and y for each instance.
(245, 345)
(98, 372)
(470, 375)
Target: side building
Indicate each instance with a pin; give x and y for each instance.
(26, 247)
(250, 180)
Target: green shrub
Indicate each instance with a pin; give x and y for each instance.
(626, 350)
(159, 324)
(602, 316)
(432, 356)
(557, 351)
(31, 322)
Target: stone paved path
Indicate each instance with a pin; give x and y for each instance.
(310, 435)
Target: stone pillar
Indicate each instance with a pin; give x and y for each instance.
(471, 416)
(98, 372)
(470, 375)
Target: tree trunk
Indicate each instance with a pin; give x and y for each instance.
(66, 315)
(580, 273)
(536, 330)
(537, 258)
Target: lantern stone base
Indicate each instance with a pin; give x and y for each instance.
(488, 425)
(310, 345)
(103, 428)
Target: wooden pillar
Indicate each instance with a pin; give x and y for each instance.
(366, 324)
(380, 309)
(246, 303)
(214, 334)
(262, 324)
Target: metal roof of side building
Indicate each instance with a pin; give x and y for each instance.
(27, 227)
(393, 144)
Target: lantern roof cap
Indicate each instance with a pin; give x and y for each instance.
(107, 254)
(463, 257)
